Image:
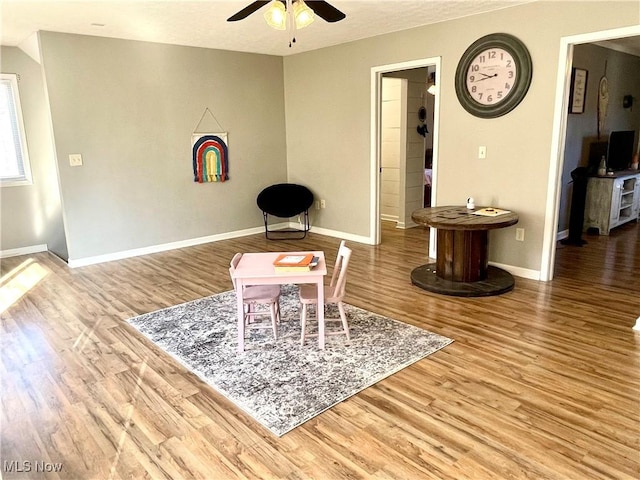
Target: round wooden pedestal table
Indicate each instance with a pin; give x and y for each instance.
(461, 266)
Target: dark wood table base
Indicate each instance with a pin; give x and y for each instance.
(498, 281)
(462, 258)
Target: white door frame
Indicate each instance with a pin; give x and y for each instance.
(559, 132)
(376, 135)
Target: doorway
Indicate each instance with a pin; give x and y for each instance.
(393, 149)
(429, 68)
(406, 123)
(565, 63)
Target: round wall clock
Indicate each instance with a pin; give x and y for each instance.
(493, 75)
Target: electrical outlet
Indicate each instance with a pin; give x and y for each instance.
(323, 204)
(482, 152)
(520, 234)
(75, 160)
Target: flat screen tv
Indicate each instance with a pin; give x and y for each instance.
(620, 150)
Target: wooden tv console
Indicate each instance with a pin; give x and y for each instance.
(612, 200)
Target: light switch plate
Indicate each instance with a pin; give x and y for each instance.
(75, 160)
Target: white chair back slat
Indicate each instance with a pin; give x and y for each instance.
(341, 280)
(336, 266)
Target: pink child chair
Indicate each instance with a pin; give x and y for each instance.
(333, 293)
(255, 295)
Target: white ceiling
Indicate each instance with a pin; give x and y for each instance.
(629, 45)
(203, 23)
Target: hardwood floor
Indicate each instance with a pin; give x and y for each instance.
(540, 383)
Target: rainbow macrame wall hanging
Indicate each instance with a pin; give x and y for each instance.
(210, 158)
(209, 151)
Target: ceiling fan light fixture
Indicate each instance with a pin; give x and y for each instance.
(276, 15)
(303, 14)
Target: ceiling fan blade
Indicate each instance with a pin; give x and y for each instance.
(325, 10)
(246, 11)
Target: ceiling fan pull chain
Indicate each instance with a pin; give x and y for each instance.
(292, 23)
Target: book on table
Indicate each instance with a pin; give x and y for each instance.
(490, 212)
(295, 263)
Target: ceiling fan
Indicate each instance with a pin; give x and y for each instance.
(323, 9)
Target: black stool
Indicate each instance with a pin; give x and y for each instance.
(285, 200)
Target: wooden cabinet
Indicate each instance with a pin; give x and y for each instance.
(612, 201)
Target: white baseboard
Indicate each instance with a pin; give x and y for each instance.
(406, 226)
(83, 262)
(516, 271)
(341, 235)
(14, 252)
(388, 218)
(637, 325)
(519, 271)
(136, 252)
(562, 235)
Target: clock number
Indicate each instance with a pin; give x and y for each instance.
(508, 63)
(510, 73)
(474, 89)
(499, 94)
(475, 68)
(507, 86)
(489, 98)
(472, 78)
(492, 54)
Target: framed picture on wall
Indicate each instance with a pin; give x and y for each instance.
(578, 90)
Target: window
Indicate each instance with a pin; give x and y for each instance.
(14, 158)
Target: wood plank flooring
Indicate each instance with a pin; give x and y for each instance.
(540, 383)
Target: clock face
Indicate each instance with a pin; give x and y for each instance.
(491, 76)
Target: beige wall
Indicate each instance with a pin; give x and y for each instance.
(333, 85)
(130, 109)
(31, 214)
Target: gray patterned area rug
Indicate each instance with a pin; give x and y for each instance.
(281, 383)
